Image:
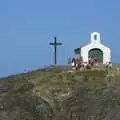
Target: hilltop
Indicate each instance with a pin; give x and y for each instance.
(58, 93)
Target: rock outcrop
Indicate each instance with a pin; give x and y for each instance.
(61, 94)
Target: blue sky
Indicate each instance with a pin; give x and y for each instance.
(27, 27)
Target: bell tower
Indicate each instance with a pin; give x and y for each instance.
(95, 37)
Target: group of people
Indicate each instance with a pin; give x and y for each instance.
(78, 63)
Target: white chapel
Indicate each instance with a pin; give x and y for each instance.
(94, 49)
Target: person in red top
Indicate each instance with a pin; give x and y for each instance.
(77, 62)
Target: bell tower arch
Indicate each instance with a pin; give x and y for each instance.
(95, 37)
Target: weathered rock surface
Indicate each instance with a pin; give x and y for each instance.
(56, 94)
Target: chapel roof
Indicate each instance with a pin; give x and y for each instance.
(92, 38)
(80, 47)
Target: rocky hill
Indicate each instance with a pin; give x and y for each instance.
(59, 93)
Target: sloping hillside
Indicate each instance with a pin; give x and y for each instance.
(58, 93)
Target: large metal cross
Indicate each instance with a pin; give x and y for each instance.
(55, 44)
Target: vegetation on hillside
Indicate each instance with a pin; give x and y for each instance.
(61, 94)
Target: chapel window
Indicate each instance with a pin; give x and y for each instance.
(95, 37)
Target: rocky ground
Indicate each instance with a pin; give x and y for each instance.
(59, 93)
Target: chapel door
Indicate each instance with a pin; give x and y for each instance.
(96, 54)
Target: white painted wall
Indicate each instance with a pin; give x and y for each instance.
(96, 44)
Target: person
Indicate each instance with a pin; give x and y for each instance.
(73, 62)
(110, 64)
(89, 60)
(81, 61)
(92, 62)
(77, 63)
(88, 66)
(107, 65)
